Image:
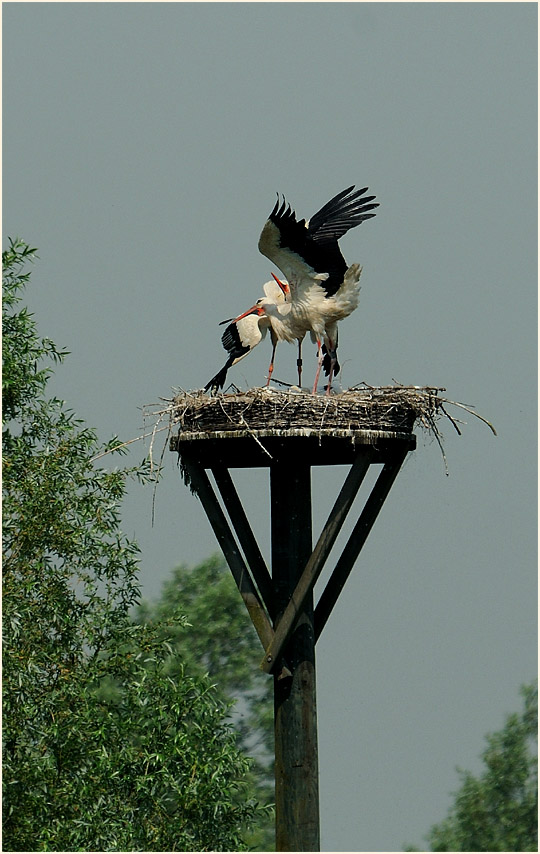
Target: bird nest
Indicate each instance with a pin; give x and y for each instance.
(393, 410)
(365, 413)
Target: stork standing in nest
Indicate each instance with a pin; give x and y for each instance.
(320, 288)
(248, 329)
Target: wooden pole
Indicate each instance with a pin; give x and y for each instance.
(295, 712)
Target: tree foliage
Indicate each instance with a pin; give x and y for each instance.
(220, 642)
(104, 749)
(498, 810)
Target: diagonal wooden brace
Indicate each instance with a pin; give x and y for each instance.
(245, 536)
(357, 539)
(203, 488)
(317, 559)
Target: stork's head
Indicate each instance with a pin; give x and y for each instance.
(275, 303)
(277, 292)
(258, 309)
(283, 286)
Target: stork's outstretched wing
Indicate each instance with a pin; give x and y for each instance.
(308, 252)
(336, 217)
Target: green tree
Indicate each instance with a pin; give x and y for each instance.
(103, 749)
(498, 810)
(220, 642)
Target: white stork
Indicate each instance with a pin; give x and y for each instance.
(323, 289)
(246, 331)
(320, 291)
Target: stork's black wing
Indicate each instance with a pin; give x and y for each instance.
(336, 217)
(239, 338)
(303, 251)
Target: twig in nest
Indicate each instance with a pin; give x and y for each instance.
(452, 420)
(472, 412)
(432, 428)
(248, 428)
(157, 429)
(124, 445)
(322, 421)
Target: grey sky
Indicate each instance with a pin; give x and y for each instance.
(143, 148)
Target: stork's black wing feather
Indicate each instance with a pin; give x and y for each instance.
(236, 350)
(344, 211)
(218, 381)
(232, 343)
(239, 338)
(293, 232)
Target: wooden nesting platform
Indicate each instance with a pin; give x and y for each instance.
(289, 432)
(263, 425)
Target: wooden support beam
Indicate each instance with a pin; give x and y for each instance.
(245, 535)
(203, 488)
(295, 715)
(318, 558)
(357, 539)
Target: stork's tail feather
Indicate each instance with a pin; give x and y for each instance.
(217, 382)
(352, 277)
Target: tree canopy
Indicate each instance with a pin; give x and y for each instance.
(111, 740)
(498, 810)
(220, 642)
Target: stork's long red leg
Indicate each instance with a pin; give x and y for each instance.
(299, 363)
(333, 360)
(320, 358)
(271, 365)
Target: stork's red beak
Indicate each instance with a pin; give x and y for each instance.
(283, 285)
(255, 309)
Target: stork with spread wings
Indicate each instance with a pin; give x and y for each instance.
(320, 288)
